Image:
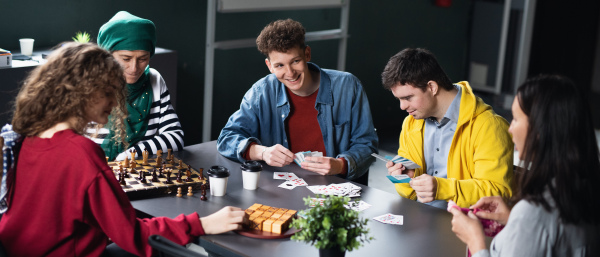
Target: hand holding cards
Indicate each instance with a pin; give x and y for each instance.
(398, 159)
(300, 157)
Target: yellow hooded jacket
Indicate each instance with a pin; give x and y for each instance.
(480, 160)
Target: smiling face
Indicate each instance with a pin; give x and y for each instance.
(291, 69)
(133, 62)
(100, 106)
(518, 126)
(418, 103)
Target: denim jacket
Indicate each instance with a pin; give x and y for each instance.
(344, 118)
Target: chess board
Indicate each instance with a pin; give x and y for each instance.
(139, 190)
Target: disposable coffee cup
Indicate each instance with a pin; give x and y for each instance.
(217, 176)
(251, 174)
(26, 46)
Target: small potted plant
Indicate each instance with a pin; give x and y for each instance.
(331, 227)
(81, 37)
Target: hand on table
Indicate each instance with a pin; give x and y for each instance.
(492, 208)
(277, 156)
(468, 229)
(425, 186)
(323, 165)
(225, 220)
(398, 169)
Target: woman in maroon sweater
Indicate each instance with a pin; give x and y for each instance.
(63, 199)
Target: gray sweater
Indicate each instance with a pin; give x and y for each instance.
(533, 231)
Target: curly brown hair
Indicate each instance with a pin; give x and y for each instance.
(62, 89)
(281, 36)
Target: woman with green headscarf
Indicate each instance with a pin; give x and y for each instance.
(152, 123)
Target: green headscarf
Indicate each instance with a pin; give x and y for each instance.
(128, 32)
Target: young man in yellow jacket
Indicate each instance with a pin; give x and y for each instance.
(463, 147)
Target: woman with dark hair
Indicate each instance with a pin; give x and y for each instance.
(556, 204)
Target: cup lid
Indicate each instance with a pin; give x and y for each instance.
(251, 166)
(218, 172)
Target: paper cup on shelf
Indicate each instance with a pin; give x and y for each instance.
(251, 174)
(26, 46)
(217, 176)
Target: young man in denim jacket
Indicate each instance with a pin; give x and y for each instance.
(301, 107)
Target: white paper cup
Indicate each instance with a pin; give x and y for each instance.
(26, 46)
(218, 186)
(251, 174)
(217, 177)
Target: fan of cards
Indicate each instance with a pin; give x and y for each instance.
(398, 159)
(343, 189)
(301, 155)
(291, 180)
(390, 219)
(352, 205)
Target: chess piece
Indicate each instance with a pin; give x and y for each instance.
(188, 175)
(141, 177)
(179, 176)
(169, 154)
(154, 176)
(201, 171)
(180, 165)
(126, 162)
(160, 172)
(132, 152)
(122, 179)
(168, 177)
(158, 161)
(106, 159)
(190, 191)
(159, 153)
(203, 192)
(145, 157)
(133, 166)
(179, 192)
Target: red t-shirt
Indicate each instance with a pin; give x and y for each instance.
(302, 127)
(67, 202)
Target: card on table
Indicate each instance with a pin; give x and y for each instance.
(357, 206)
(390, 219)
(280, 175)
(288, 185)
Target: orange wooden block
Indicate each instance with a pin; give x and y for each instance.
(267, 225)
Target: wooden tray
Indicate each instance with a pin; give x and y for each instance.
(266, 235)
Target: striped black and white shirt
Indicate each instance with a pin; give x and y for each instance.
(164, 130)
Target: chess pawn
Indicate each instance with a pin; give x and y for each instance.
(122, 178)
(141, 177)
(188, 175)
(154, 176)
(145, 157)
(179, 192)
(180, 176)
(180, 165)
(169, 154)
(190, 191)
(126, 162)
(203, 192)
(201, 171)
(133, 166)
(106, 159)
(168, 177)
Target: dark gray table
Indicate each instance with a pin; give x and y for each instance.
(426, 230)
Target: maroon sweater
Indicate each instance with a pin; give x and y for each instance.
(67, 202)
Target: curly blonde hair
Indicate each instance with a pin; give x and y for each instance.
(281, 36)
(63, 87)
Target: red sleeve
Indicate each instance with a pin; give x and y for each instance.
(110, 208)
(345, 167)
(246, 155)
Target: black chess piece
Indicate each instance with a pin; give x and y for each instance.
(122, 179)
(203, 192)
(161, 173)
(188, 174)
(154, 176)
(141, 177)
(180, 176)
(168, 177)
(201, 171)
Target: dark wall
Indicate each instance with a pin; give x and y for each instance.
(378, 29)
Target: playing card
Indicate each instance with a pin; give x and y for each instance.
(398, 159)
(290, 176)
(299, 182)
(390, 219)
(315, 201)
(287, 185)
(357, 206)
(280, 175)
(403, 178)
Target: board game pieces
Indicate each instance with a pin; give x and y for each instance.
(144, 157)
(169, 181)
(141, 177)
(154, 176)
(122, 178)
(269, 219)
(132, 152)
(180, 165)
(190, 191)
(106, 159)
(203, 192)
(126, 162)
(188, 175)
(159, 152)
(169, 154)
(133, 166)
(180, 176)
(159, 161)
(179, 192)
